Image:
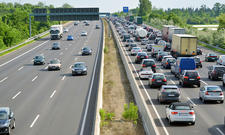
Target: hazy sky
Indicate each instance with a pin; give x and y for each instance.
(117, 5)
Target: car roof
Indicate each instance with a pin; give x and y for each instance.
(6, 109)
(218, 66)
(79, 63)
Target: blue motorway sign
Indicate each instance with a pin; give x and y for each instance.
(125, 9)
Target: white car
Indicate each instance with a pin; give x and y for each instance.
(84, 33)
(135, 50)
(221, 60)
(65, 30)
(180, 112)
(54, 64)
(145, 73)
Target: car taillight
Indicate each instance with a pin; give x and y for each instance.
(200, 61)
(164, 80)
(146, 56)
(192, 113)
(185, 77)
(143, 65)
(138, 56)
(153, 80)
(174, 113)
(167, 63)
(206, 93)
(139, 51)
(221, 93)
(153, 65)
(198, 77)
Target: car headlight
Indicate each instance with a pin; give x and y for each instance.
(85, 69)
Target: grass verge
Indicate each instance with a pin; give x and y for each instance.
(116, 118)
(211, 48)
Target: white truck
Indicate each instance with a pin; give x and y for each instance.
(56, 31)
(140, 33)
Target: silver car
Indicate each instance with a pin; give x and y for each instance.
(135, 50)
(180, 112)
(211, 93)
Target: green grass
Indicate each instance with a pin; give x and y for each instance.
(16, 48)
(211, 48)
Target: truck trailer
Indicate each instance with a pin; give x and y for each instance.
(56, 32)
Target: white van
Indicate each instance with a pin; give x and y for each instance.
(221, 60)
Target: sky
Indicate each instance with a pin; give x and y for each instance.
(117, 5)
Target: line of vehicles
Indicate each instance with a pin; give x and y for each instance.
(7, 118)
(176, 51)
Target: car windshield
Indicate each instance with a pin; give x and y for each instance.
(212, 54)
(191, 74)
(136, 48)
(213, 88)
(54, 62)
(55, 43)
(142, 54)
(171, 60)
(3, 115)
(86, 48)
(38, 57)
(182, 107)
(158, 77)
(80, 65)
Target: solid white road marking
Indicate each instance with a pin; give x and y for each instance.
(53, 93)
(63, 77)
(36, 118)
(204, 82)
(71, 66)
(23, 54)
(16, 95)
(34, 78)
(191, 101)
(20, 68)
(219, 131)
(46, 67)
(3, 79)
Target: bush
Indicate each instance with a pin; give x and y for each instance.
(131, 112)
(105, 116)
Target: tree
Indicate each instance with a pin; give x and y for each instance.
(221, 20)
(41, 4)
(145, 7)
(66, 5)
(217, 8)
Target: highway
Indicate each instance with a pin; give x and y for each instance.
(52, 102)
(209, 117)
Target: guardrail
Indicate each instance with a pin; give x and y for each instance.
(97, 122)
(139, 99)
(213, 46)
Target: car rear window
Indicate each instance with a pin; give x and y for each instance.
(133, 45)
(211, 54)
(142, 54)
(182, 107)
(158, 77)
(220, 68)
(170, 89)
(191, 74)
(213, 88)
(171, 60)
(149, 63)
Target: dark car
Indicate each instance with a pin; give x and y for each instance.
(7, 120)
(149, 63)
(55, 46)
(131, 46)
(140, 56)
(216, 72)
(97, 27)
(169, 93)
(167, 47)
(79, 68)
(211, 57)
(168, 63)
(152, 36)
(199, 51)
(125, 37)
(157, 40)
(149, 47)
(157, 80)
(39, 60)
(129, 41)
(189, 77)
(70, 37)
(198, 62)
(87, 24)
(160, 55)
(86, 51)
(144, 41)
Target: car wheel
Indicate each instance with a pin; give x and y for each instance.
(193, 123)
(9, 132)
(208, 76)
(221, 101)
(170, 122)
(199, 85)
(201, 66)
(203, 100)
(223, 83)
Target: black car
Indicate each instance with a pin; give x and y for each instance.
(157, 80)
(149, 47)
(189, 77)
(86, 51)
(39, 60)
(149, 63)
(199, 51)
(157, 40)
(140, 56)
(198, 62)
(87, 24)
(167, 47)
(152, 36)
(216, 72)
(79, 68)
(7, 120)
(131, 46)
(129, 41)
(211, 57)
(55, 46)
(160, 55)
(168, 63)
(169, 93)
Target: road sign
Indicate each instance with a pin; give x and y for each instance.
(125, 9)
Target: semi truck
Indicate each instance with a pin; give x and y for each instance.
(165, 32)
(175, 30)
(56, 31)
(184, 45)
(140, 33)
